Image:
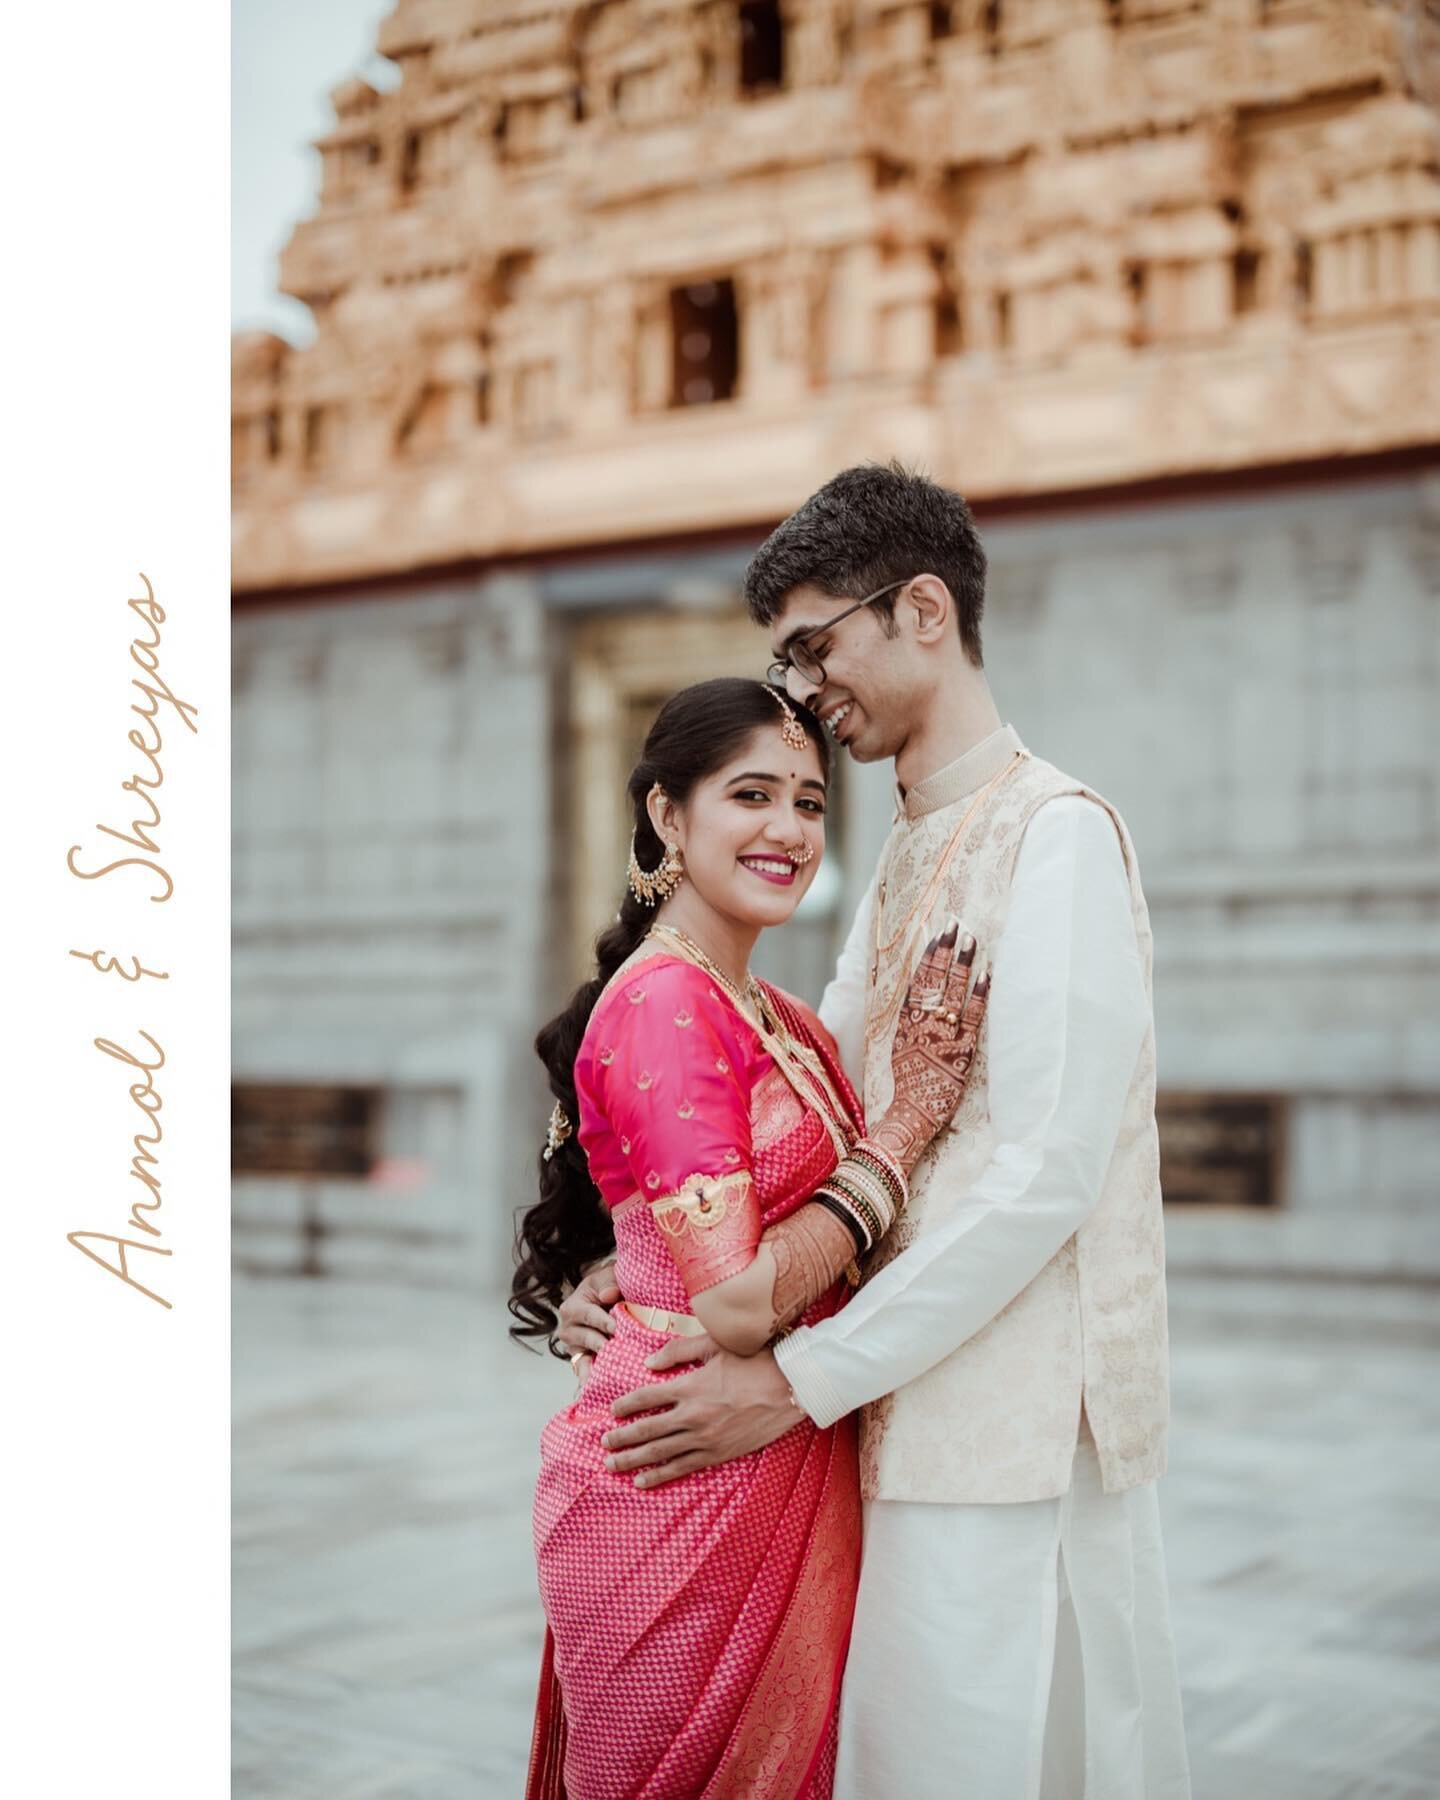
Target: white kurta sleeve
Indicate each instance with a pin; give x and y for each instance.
(1067, 1017)
(842, 1005)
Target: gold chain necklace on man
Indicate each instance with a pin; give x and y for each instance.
(932, 887)
(801, 1067)
(881, 1015)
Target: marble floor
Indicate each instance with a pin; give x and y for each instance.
(386, 1626)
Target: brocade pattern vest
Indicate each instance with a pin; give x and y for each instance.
(997, 1419)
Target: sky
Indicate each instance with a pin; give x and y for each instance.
(286, 56)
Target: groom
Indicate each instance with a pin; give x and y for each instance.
(1008, 1350)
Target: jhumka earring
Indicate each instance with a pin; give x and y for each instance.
(651, 886)
(560, 1128)
(792, 732)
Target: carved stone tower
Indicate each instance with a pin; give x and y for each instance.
(611, 270)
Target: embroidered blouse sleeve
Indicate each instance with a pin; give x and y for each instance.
(675, 1085)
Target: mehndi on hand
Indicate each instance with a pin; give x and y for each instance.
(934, 1045)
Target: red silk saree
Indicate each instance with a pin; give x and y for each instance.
(696, 1632)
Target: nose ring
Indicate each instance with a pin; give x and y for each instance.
(801, 854)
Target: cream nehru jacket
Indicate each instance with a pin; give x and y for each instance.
(1020, 1282)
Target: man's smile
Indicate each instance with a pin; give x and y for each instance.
(834, 718)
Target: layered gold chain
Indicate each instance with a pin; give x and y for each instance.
(932, 886)
(798, 1063)
(881, 1017)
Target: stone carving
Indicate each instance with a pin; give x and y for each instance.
(1041, 245)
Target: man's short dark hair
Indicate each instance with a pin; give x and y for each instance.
(869, 526)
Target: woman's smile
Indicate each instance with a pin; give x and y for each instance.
(779, 869)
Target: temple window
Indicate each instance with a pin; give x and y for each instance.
(1246, 264)
(1137, 286)
(762, 46)
(948, 331)
(323, 432)
(410, 162)
(1304, 269)
(705, 339)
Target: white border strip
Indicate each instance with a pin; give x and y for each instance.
(117, 1473)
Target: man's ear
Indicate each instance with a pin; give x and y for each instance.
(931, 608)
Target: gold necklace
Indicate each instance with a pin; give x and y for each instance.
(702, 959)
(881, 1016)
(801, 1067)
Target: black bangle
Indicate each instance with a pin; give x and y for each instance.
(843, 1212)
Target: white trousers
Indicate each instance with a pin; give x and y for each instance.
(1014, 1652)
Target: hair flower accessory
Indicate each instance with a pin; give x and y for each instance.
(560, 1129)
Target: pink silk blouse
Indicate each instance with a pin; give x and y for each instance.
(694, 1138)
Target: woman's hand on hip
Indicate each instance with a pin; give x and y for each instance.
(585, 1323)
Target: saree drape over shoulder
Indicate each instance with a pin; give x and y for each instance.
(697, 1631)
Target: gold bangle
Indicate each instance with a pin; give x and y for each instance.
(878, 1153)
(869, 1214)
(862, 1182)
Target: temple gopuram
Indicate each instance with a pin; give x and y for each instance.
(600, 293)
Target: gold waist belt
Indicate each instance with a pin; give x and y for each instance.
(657, 1319)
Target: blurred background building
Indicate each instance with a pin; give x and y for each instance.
(602, 291)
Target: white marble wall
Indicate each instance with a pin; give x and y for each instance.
(391, 836)
(1256, 685)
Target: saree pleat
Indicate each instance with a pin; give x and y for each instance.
(697, 1631)
(546, 1776)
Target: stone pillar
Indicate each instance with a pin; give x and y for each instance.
(812, 45)
(609, 387)
(653, 352)
(911, 285)
(850, 324)
(1423, 260)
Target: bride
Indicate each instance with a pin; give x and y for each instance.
(705, 1130)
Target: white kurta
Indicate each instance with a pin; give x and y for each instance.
(1023, 1651)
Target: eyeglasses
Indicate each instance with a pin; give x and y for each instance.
(800, 657)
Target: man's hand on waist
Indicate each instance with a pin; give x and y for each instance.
(724, 1409)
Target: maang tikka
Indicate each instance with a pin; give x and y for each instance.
(651, 886)
(792, 732)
